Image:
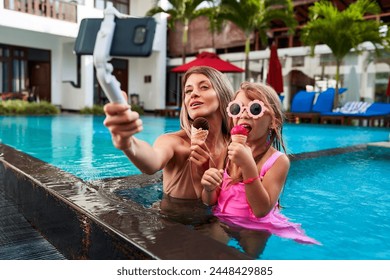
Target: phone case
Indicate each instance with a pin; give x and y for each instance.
(132, 36)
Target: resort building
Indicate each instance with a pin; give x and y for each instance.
(37, 39)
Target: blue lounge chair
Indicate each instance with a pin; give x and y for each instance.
(377, 111)
(302, 106)
(324, 102)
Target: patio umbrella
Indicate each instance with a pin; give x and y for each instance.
(208, 59)
(388, 90)
(274, 76)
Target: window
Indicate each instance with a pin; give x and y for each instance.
(298, 61)
(13, 69)
(327, 59)
(123, 6)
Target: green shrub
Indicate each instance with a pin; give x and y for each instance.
(137, 109)
(98, 110)
(95, 110)
(20, 107)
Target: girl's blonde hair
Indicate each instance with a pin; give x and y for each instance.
(272, 101)
(222, 87)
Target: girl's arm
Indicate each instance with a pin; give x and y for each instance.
(263, 195)
(211, 182)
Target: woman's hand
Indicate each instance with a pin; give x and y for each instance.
(199, 154)
(122, 124)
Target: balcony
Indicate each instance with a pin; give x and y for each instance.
(46, 8)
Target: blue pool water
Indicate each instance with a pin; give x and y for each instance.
(343, 201)
(81, 145)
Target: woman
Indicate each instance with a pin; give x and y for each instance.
(206, 93)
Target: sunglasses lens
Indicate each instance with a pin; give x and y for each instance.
(255, 109)
(235, 109)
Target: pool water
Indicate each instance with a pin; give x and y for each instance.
(82, 145)
(350, 216)
(342, 200)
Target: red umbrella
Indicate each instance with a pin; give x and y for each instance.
(388, 88)
(274, 77)
(208, 59)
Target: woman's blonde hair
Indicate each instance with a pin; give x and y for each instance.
(222, 87)
(272, 101)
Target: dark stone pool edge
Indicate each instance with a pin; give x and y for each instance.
(82, 224)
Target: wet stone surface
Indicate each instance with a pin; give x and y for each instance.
(88, 220)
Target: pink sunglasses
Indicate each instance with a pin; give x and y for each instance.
(255, 109)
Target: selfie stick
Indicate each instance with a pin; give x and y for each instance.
(101, 55)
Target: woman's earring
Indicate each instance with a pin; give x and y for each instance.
(268, 142)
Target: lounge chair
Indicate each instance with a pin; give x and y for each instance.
(301, 106)
(307, 110)
(363, 112)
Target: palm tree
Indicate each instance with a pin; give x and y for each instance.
(215, 20)
(343, 31)
(257, 15)
(183, 11)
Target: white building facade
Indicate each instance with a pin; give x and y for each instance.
(36, 52)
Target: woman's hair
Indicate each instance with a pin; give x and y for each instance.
(222, 87)
(271, 100)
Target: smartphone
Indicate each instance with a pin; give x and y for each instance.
(132, 36)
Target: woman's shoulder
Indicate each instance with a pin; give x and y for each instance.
(176, 138)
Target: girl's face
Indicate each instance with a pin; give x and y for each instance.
(257, 127)
(200, 97)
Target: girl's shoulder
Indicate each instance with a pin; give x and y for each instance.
(275, 156)
(279, 159)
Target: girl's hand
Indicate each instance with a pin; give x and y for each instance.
(122, 124)
(212, 178)
(239, 154)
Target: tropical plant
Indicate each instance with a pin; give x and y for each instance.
(343, 31)
(183, 11)
(99, 110)
(215, 20)
(20, 107)
(257, 15)
(94, 110)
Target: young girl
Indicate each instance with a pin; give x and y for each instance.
(247, 192)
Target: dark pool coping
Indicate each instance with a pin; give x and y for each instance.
(84, 223)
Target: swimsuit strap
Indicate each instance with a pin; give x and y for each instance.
(270, 161)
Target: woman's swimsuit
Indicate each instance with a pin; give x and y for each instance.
(233, 208)
(181, 183)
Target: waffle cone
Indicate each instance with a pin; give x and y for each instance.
(239, 138)
(198, 135)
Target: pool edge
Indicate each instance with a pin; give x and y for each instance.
(101, 230)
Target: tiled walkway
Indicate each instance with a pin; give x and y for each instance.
(18, 239)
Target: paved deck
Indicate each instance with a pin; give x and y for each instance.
(18, 239)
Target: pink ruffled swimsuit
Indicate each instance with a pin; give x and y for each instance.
(233, 208)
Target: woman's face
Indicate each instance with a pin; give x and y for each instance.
(257, 128)
(200, 97)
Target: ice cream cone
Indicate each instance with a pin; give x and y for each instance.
(239, 138)
(198, 135)
(239, 134)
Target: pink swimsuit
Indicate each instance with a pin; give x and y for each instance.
(233, 208)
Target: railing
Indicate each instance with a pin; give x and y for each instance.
(47, 8)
